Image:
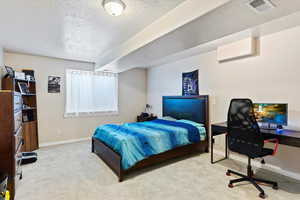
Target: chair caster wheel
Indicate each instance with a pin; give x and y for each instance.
(230, 185)
(228, 174)
(262, 195)
(275, 187)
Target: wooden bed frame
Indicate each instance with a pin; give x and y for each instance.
(113, 159)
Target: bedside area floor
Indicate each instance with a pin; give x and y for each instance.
(71, 171)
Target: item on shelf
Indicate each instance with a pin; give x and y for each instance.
(20, 75)
(29, 78)
(28, 117)
(25, 118)
(29, 72)
(9, 72)
(23, 88)
(26, 107)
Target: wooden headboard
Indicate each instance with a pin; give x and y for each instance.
(194, 108)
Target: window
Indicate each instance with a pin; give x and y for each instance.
(90, 93)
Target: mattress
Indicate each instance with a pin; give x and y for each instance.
(137, 141)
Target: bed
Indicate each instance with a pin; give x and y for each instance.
(161, 140)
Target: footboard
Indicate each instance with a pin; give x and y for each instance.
(109, 156)
(178, 152)
(113, 159)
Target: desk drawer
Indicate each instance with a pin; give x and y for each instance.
(18, 120)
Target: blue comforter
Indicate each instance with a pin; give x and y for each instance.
(137, 141)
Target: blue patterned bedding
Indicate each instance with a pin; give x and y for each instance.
(137, 141)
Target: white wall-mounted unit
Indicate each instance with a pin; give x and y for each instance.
(240, 49)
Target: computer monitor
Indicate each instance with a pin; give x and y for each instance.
(271, 113)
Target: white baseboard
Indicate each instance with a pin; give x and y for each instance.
(63, 142)
(257, 164)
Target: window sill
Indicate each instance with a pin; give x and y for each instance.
(90, 114)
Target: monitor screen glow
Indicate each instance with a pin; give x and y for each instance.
(271, 113)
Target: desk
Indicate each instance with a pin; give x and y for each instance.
(285, 136)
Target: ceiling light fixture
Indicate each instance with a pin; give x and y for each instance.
(114, 7)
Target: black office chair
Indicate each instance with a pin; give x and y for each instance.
(244, 137)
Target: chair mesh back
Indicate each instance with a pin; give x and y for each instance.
(243, 131)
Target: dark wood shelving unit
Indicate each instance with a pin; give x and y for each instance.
(29, 115)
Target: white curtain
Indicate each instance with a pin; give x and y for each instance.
(89, 93)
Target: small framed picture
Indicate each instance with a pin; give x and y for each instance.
(23, 87)
(54, 84)
(190, 83)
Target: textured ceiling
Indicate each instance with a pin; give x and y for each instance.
(73, 29)
(231, 18)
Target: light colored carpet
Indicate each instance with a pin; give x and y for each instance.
(71, 172)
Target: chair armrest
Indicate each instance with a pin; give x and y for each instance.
(276, 142)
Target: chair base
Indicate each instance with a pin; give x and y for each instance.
(254, 181)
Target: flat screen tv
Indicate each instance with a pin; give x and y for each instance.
(271, 113)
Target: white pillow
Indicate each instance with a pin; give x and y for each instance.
(191, 122)
(168, 118)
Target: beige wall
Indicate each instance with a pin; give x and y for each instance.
(1, 63)
(53, 126)
(1, 56)
(273, 76)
